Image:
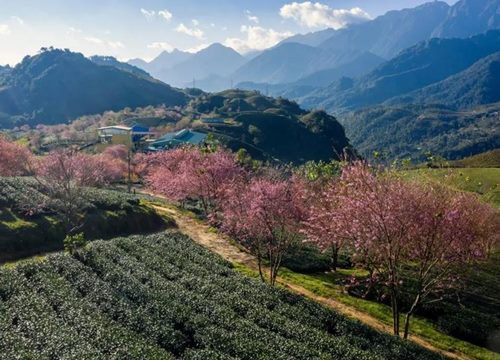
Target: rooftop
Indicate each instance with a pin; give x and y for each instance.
(181, 137)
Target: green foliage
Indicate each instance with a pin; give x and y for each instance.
(306, 259)
(469, 325)
(315, 170)
(162, 296)
(72, 243)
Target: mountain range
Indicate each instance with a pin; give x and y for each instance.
(303, 55)
(478, 84)
(415, 68)
(211, 66)
(56, 86)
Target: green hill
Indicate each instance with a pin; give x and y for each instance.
(489, 159)
(57, 86)
(271, 128)
(474, 86)
(410, 130)
(165, 297)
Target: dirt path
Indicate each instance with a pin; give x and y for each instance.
(222, 245)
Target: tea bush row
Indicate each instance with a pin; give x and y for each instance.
(162, 296)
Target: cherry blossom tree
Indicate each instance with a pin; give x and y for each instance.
(322, 220)
(265, 215)
(64, 173)
(14, 158)
(190, 173)
(395, 225)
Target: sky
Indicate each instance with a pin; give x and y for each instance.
(142, 29)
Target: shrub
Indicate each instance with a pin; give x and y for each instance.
(72, 243)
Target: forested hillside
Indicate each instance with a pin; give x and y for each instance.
(57, 86)
(271, 129)
(410, 131)
(479, 84)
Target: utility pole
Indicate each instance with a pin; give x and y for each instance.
(129, 171)
(129, 162)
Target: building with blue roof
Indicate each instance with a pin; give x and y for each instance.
(121, 134)
(176, 139)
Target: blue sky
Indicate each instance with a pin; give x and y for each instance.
(131, 28)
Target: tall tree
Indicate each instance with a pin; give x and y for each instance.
(408, 232)
(265, 215)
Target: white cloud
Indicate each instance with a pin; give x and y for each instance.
(17, 19)
(148, 14)
(256, 38)
(252, 17)
(151, 14)
(194, 32)
(167, 15)
(195, 22)
(314, 15)
(93, 40)
(161, 46)
(4, 29)
(110, 44)
(212, 25)
(74, 30)
(115, 44)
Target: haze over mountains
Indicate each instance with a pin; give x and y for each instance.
(303, 55)
(421, 65)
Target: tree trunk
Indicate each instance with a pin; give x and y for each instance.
(259, 263)
(408, 316)
(395, 312)
(407, 325)
(370, 285)
(335, 258)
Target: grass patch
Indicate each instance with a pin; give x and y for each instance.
(482, 181)
(325, 285)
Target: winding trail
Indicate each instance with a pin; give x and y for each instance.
(222, 245)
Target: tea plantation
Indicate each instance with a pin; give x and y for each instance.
(28, 225)
(163, 297)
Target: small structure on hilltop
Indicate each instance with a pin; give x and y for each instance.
(123, 135)
(176, 139)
